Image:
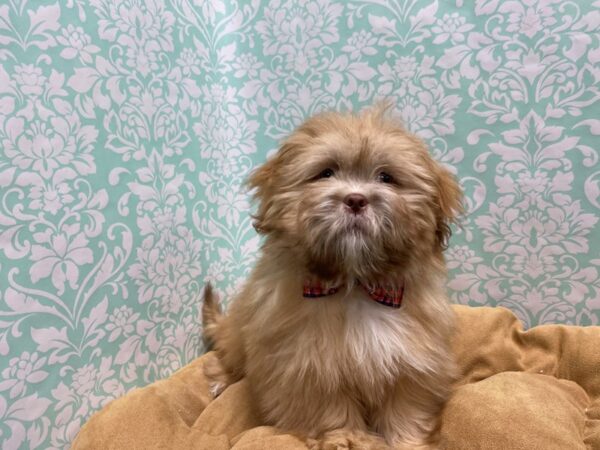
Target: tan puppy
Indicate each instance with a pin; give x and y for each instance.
(344, 322)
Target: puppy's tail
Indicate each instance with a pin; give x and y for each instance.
(211, 316)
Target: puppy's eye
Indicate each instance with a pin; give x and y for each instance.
(327, 173)
(385, 177)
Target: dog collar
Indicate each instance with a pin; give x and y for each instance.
(388, 296)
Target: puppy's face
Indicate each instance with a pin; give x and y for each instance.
(356, 197)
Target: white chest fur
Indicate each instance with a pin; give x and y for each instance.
(349, 336)
(377, 337)
(342, 339)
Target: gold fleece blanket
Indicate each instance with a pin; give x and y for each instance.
(535, 389)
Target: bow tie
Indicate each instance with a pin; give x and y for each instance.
(387, 296)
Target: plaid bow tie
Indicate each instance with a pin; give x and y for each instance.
(391, 297)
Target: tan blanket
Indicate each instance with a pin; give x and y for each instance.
(538, 389)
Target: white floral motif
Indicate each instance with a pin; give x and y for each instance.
(210, 8)
(463, 257)
(77, 43)
(15, 415)
(165, 268)
(298, 30)
(532, 226)
(226, 137)
(121, 321)
(361, 43)
(451, 26)
(139, 22)
(91, 387)
(429, 112)
(23, 370)
(539, 64)
(168, 362)
(231, 204)
(189, 62)
(534, 265)
(50, 197)
(247, 65)
(142, 58)
(529, 17)
(177, 335)
(44, 147)
(30, 80)
(404, 75)
(60, 255)
(84, 380)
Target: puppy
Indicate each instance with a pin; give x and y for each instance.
(344, 321)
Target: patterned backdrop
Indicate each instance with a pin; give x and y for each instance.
(127, 127)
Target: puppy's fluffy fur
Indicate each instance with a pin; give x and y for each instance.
(345, 361)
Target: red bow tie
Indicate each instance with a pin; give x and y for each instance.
(391, 297)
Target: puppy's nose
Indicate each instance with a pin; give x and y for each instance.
(356, 202)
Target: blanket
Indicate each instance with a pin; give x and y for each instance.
(534, 389)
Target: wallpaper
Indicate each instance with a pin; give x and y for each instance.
(127, 127)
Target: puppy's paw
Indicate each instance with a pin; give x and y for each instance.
(217, 377)
(407, 446)
(332, 440)
(346, 439)
(415, 445)
(216, 388)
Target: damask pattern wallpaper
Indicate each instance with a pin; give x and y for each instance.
(127, 127)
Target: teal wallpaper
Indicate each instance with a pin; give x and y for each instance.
(127, 127)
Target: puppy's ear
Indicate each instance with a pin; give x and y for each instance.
(450, 205)
(262, 181)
